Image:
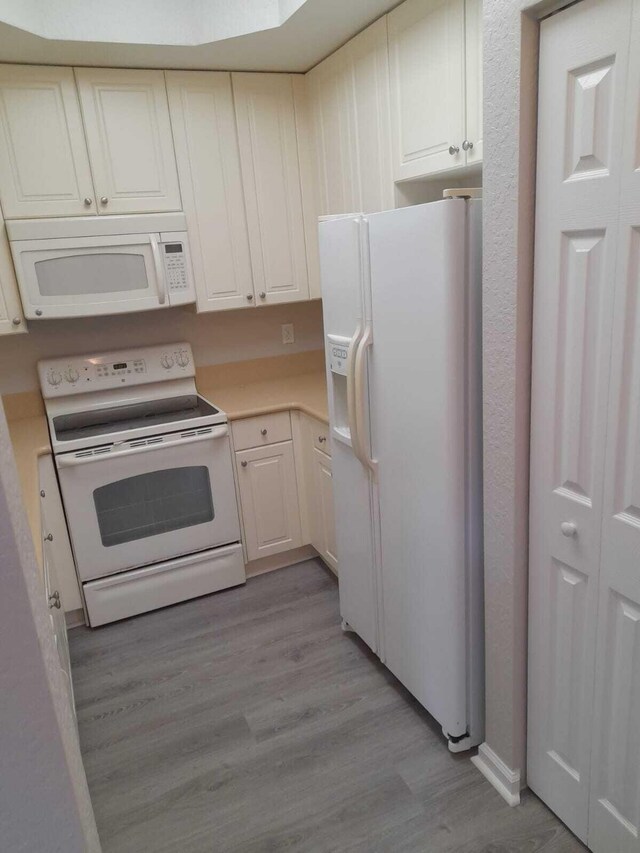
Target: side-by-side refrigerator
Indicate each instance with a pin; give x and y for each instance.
(401, 297)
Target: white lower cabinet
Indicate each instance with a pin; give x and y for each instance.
(56, 543)
(323, 526)
(269, 499)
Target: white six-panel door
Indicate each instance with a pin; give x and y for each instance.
(614, 817)
(583, 599)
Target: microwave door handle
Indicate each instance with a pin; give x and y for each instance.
(161, 283)
(71, 461)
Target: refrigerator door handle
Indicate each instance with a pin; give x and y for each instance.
(351, 391)
(360, 419)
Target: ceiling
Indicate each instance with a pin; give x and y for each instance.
(250, 35)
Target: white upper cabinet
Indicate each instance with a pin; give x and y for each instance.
(128, 131)
(473, 77)
(204, 129)
(44, 167)
(268, 141)
(11, 316)
(427, 73)
(349, 93)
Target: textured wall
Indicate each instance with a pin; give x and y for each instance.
(510, 84)
(44, 801)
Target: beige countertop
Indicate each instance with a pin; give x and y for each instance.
(226, 387)
(307, 392)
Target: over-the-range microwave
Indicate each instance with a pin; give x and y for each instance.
(97, 265)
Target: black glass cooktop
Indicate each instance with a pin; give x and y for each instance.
(131, 416)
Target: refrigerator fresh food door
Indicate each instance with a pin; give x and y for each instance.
(418, 412)
(343, 267)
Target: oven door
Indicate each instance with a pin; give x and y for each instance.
(89, 276)
(150, 499)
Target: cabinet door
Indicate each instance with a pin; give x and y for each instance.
(11, 316)
(331, 104)
(206, 141)
(324, 523)
(271, 178)
(126, 118)
(269, 499)
(369, 124)
(426, 63)
(473, 78)
(44, 167)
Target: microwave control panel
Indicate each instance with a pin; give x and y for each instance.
(175, 264)
(338, 352)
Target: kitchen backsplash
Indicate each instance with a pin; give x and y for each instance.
(216, 338)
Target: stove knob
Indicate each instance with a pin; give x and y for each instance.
(54, 377)
(166, 361)
(71, 375)
(182, 358)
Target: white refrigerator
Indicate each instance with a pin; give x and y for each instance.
(401, 297)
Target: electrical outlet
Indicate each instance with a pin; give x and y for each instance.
(288, 336)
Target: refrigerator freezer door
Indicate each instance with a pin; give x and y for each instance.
(343, 298)
(418, 398)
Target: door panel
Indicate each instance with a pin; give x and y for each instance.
(325, 523)
(269, 499)
(271, 178)
(204, 127)
(126, 118)
(473, 79)
(426, 62)
(583, 56)
(614, 819)
(46, 172)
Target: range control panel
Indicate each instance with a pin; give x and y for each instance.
(82, 374)
(338, 352)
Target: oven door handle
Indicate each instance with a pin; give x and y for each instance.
(161, 283)
(70, 460)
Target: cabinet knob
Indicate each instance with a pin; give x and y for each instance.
(42, 493)
(263, 431)
(568, 528)
(104, 200)
(54, 600)
(466, 145)
(249, 296)
(38, 312)
(454, 149)
(322, 438)
(88, 201)
(262, 294)
(244, 463)
(49, 537)
(16, 321)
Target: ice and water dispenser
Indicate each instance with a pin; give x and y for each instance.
(338, 352)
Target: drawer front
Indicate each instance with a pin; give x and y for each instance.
(321, 437)
(260, 431)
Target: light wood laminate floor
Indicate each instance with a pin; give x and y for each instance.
(247, 721)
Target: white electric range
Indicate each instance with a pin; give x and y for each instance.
(145, 470)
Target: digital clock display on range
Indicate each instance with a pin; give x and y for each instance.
(120, 366)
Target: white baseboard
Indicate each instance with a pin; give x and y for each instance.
(505, 780)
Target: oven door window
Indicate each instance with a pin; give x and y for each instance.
(154, 503)
(88, 274)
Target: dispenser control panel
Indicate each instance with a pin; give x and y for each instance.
(338, 351)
